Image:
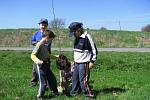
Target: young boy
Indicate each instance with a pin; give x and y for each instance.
(85, 53)
(37, 36)
(66, 70)
(41, 57)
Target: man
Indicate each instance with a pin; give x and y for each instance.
(37, 36)
(85, 53)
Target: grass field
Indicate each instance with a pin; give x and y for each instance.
(102, 38)
(116, 76)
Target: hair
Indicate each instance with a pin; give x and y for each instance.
(81, 30)
(49, 33)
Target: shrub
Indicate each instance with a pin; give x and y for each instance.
(146, 28)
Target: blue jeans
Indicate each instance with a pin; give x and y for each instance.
(80, 78)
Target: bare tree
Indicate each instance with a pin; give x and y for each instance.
(57, 23)
(146, 28)
(103, 28)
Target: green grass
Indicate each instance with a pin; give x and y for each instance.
(116, 76)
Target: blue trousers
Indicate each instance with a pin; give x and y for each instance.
(80, 79)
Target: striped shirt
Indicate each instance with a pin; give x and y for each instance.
(84, 49)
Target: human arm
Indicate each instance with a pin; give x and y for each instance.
(93, 51)
(35, 51)
(54, 56)
(36, 37)
(35, 59)
(33, 39)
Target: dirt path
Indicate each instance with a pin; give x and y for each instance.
(71, 49)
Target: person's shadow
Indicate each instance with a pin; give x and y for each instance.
(114, 90)
(110, 90)
(46, 97)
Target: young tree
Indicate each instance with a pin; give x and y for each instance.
(103, 28)
(57, 23)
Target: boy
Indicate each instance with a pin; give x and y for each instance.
(41, 57)
(66, 70)
(37, 36)
(85, 52)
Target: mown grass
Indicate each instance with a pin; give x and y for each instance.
(102, 38)
(116, 76)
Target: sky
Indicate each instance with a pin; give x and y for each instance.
(129, 15)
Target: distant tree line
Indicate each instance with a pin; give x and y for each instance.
(60, 24)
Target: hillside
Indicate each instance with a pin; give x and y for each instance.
(102, 38)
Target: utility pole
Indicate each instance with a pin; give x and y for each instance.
(119, 25)
(56, 27)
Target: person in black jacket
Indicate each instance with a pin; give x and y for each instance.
(85, 53)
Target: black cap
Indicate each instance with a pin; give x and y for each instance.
(73, 27)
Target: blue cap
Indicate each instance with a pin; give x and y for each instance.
(73, 27)
(43, 20)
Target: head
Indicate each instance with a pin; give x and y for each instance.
(76, 29)
(62, 62)
(48, 35)
(43, 24)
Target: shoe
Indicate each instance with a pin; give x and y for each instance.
(47, 88)
(56, 94)
(39, 97)
(90, 96)
(34, 83)
(70, 95)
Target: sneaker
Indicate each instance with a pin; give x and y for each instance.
(90, 96)
(47, 88)
(70, 95)
(55, 94)
(39, 96)
(33, 83)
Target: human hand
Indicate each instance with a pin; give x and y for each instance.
(43, 39)
(91, 65)
(39, 62)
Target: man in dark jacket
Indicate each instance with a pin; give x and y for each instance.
(85, 53)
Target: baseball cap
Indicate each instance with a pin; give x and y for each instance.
(43, 20)
(73, 27)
